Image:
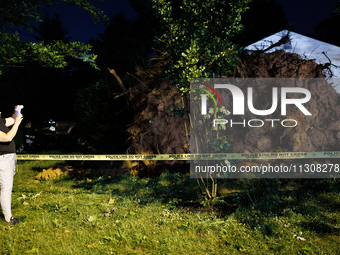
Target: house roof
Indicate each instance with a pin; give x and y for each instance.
(306, 47)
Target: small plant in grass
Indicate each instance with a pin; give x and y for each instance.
(216, 142)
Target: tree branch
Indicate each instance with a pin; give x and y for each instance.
(113, 72)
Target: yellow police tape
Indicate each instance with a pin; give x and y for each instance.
(202, 156)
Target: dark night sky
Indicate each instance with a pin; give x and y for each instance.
(81, 26)
(79, 23)
(304, 15)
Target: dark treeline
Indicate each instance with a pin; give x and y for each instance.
(80, 92)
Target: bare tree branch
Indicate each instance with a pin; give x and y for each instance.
(113, 72)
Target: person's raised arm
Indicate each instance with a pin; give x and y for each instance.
(17, 111)
(10, 135)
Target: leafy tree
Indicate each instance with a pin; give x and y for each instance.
(51, 30)
(122, 46)
(102, 119)
(33, 70)
(14, 52)
(117, 46)
(196, 41)
(126, 43)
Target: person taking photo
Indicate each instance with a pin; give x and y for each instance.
(8, 161)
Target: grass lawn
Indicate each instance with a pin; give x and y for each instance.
(88, 213)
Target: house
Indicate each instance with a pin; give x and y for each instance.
(307, 48)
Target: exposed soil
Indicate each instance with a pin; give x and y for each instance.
(157, 130)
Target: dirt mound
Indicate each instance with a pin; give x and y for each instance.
(157, 130)
(278, 64)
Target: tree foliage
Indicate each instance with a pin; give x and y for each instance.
(326, 29)
(118, 46)
(14, 52)
(123, 45)
(127, 43)
(51, 30)
(196, 39)
(102, 120)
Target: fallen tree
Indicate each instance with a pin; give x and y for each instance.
(157, 129)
